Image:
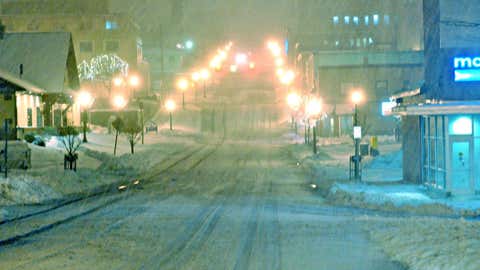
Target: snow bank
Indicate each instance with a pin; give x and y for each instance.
(401, 198)
(429, 243)
(25, 190)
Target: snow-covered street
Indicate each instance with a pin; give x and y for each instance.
(236, 205)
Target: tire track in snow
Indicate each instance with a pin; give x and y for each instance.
(193, 238)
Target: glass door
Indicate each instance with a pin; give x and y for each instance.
(461, 164)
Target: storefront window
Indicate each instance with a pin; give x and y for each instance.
(433, 150)
(476, 125)
(476, 159)
(460, 125)
(476, 150)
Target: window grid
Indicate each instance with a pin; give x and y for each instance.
(433, 136)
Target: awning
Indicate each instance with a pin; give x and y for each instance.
(464, 107)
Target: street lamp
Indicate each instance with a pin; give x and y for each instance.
(170, 107)
(313, 109)
(279, 62)
(117, 81)
(134, 82)
(287, 78)
(294, 101)
(195, 78)
(205, 74)
(119, 102)
(182, 85)
(357, 97)
(85, 100)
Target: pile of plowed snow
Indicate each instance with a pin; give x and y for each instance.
(25, 190)
(430, 243)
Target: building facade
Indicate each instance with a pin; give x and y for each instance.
(38, 80)
(334, 75)
(95, 30)
(442, 119)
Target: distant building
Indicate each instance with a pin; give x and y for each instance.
(358, 25)
(38, 79)
(369, 45)
(334, 75)
(95, 30)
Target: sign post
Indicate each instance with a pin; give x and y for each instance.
(357, 136)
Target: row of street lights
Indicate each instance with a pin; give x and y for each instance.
(203, 74)
(85, 99)
(312, 105)
(285, 75)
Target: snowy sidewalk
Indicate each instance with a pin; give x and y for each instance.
(403, 197)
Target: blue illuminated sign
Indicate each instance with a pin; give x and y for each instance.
(467, 69)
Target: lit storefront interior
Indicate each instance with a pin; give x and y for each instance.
(449, 146)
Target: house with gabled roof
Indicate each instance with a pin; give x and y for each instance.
(42, 64)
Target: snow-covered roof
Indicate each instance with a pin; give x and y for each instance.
(48, 59)
(9, 77)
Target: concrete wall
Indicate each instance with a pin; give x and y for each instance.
(411, 145)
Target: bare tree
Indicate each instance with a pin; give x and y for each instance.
(71, 142)
(133, 132)
(117, 125)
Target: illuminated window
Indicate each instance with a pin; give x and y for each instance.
(355, 20)
(111, 25)
(367, 20)
(346, 19)
(336, 20)
(376, 19)
(460, 125)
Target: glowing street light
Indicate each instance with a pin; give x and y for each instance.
(85, 100)
(356, 98)
(118, 81)
(252, 65)
(195, 76)
(294, 101)
(287, 78)
(279, 62)
(241, 59)
(170, 106)
(280, 72)
(313, 107)
(134, 81)
(119, 102)
(205, 75)
(183, 85)
(233, 68)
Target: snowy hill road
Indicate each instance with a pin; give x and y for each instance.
(246, 206)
